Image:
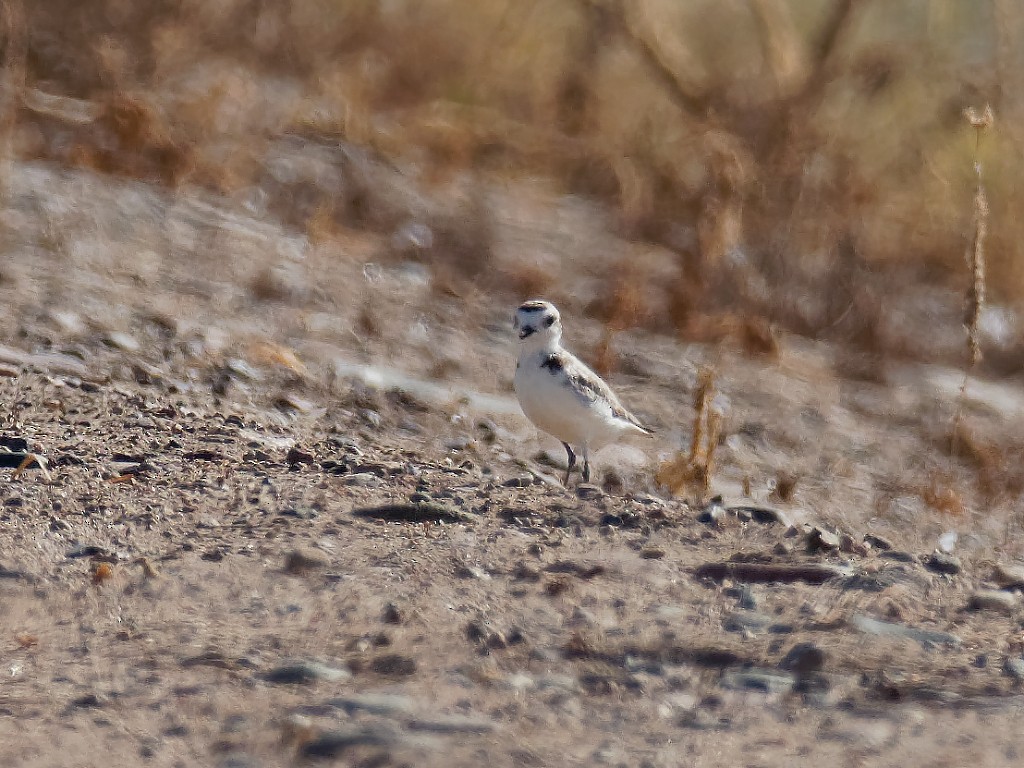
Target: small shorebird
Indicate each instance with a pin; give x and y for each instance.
(560, 394)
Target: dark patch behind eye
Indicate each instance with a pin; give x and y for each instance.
(549, 321)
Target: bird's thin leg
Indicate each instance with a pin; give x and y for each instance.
(586, 464)
(572, 462)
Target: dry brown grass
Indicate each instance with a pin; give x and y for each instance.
(756, 141)
(942, 496)
(693, 471)
(975, 302)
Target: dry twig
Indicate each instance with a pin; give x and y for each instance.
(696, 469)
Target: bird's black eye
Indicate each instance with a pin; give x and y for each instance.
(549, 321)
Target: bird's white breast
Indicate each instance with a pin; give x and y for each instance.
(554, 406)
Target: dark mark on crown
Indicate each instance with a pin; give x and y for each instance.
(533, 306)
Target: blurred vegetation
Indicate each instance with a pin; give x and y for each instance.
(780, 148)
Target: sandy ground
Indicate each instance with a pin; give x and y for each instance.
(294, 515)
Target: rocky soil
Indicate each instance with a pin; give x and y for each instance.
(290, 514)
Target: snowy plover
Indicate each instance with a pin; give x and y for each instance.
(560, 394)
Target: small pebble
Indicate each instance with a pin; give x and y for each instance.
(301, 561)
(121, 341)
(748, 598)
(803, 658)
(363, 480)
(588, 491)
(878, 542)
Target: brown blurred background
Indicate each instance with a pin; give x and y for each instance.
(806, 163)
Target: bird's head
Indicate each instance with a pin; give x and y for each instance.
(538, 324)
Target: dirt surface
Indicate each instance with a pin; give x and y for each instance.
(292, 514)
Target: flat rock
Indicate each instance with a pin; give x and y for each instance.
(869, 736)
(394, 665)
(211, 658)
(304, 672)
(90, 701)
(1008, 576)
(878, 542)
(296, 456)
(453, 724)
(14, 573)
(375, 704)
(414, 513)
(121, 341)
(522, 481)
(51, 362)
(338, 741)
(822, 540)
(992, 600)
(363, 480)
(1014, 667)
(238, 760)
(93, 551)
(588, 491)
(749, 621)
(764, 515)
(940, 562)
(811, 573)
(768, 681)
(889, 629)
(898, 555)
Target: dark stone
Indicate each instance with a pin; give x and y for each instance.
(337, 742)
(392, 614)
(878, 542)
(304, 672)
(899, 556)
(394, 665)
(820, 540)
(298, 456)
(940, 562)
(803, 658)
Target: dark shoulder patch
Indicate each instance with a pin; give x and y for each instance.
(553, 363)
